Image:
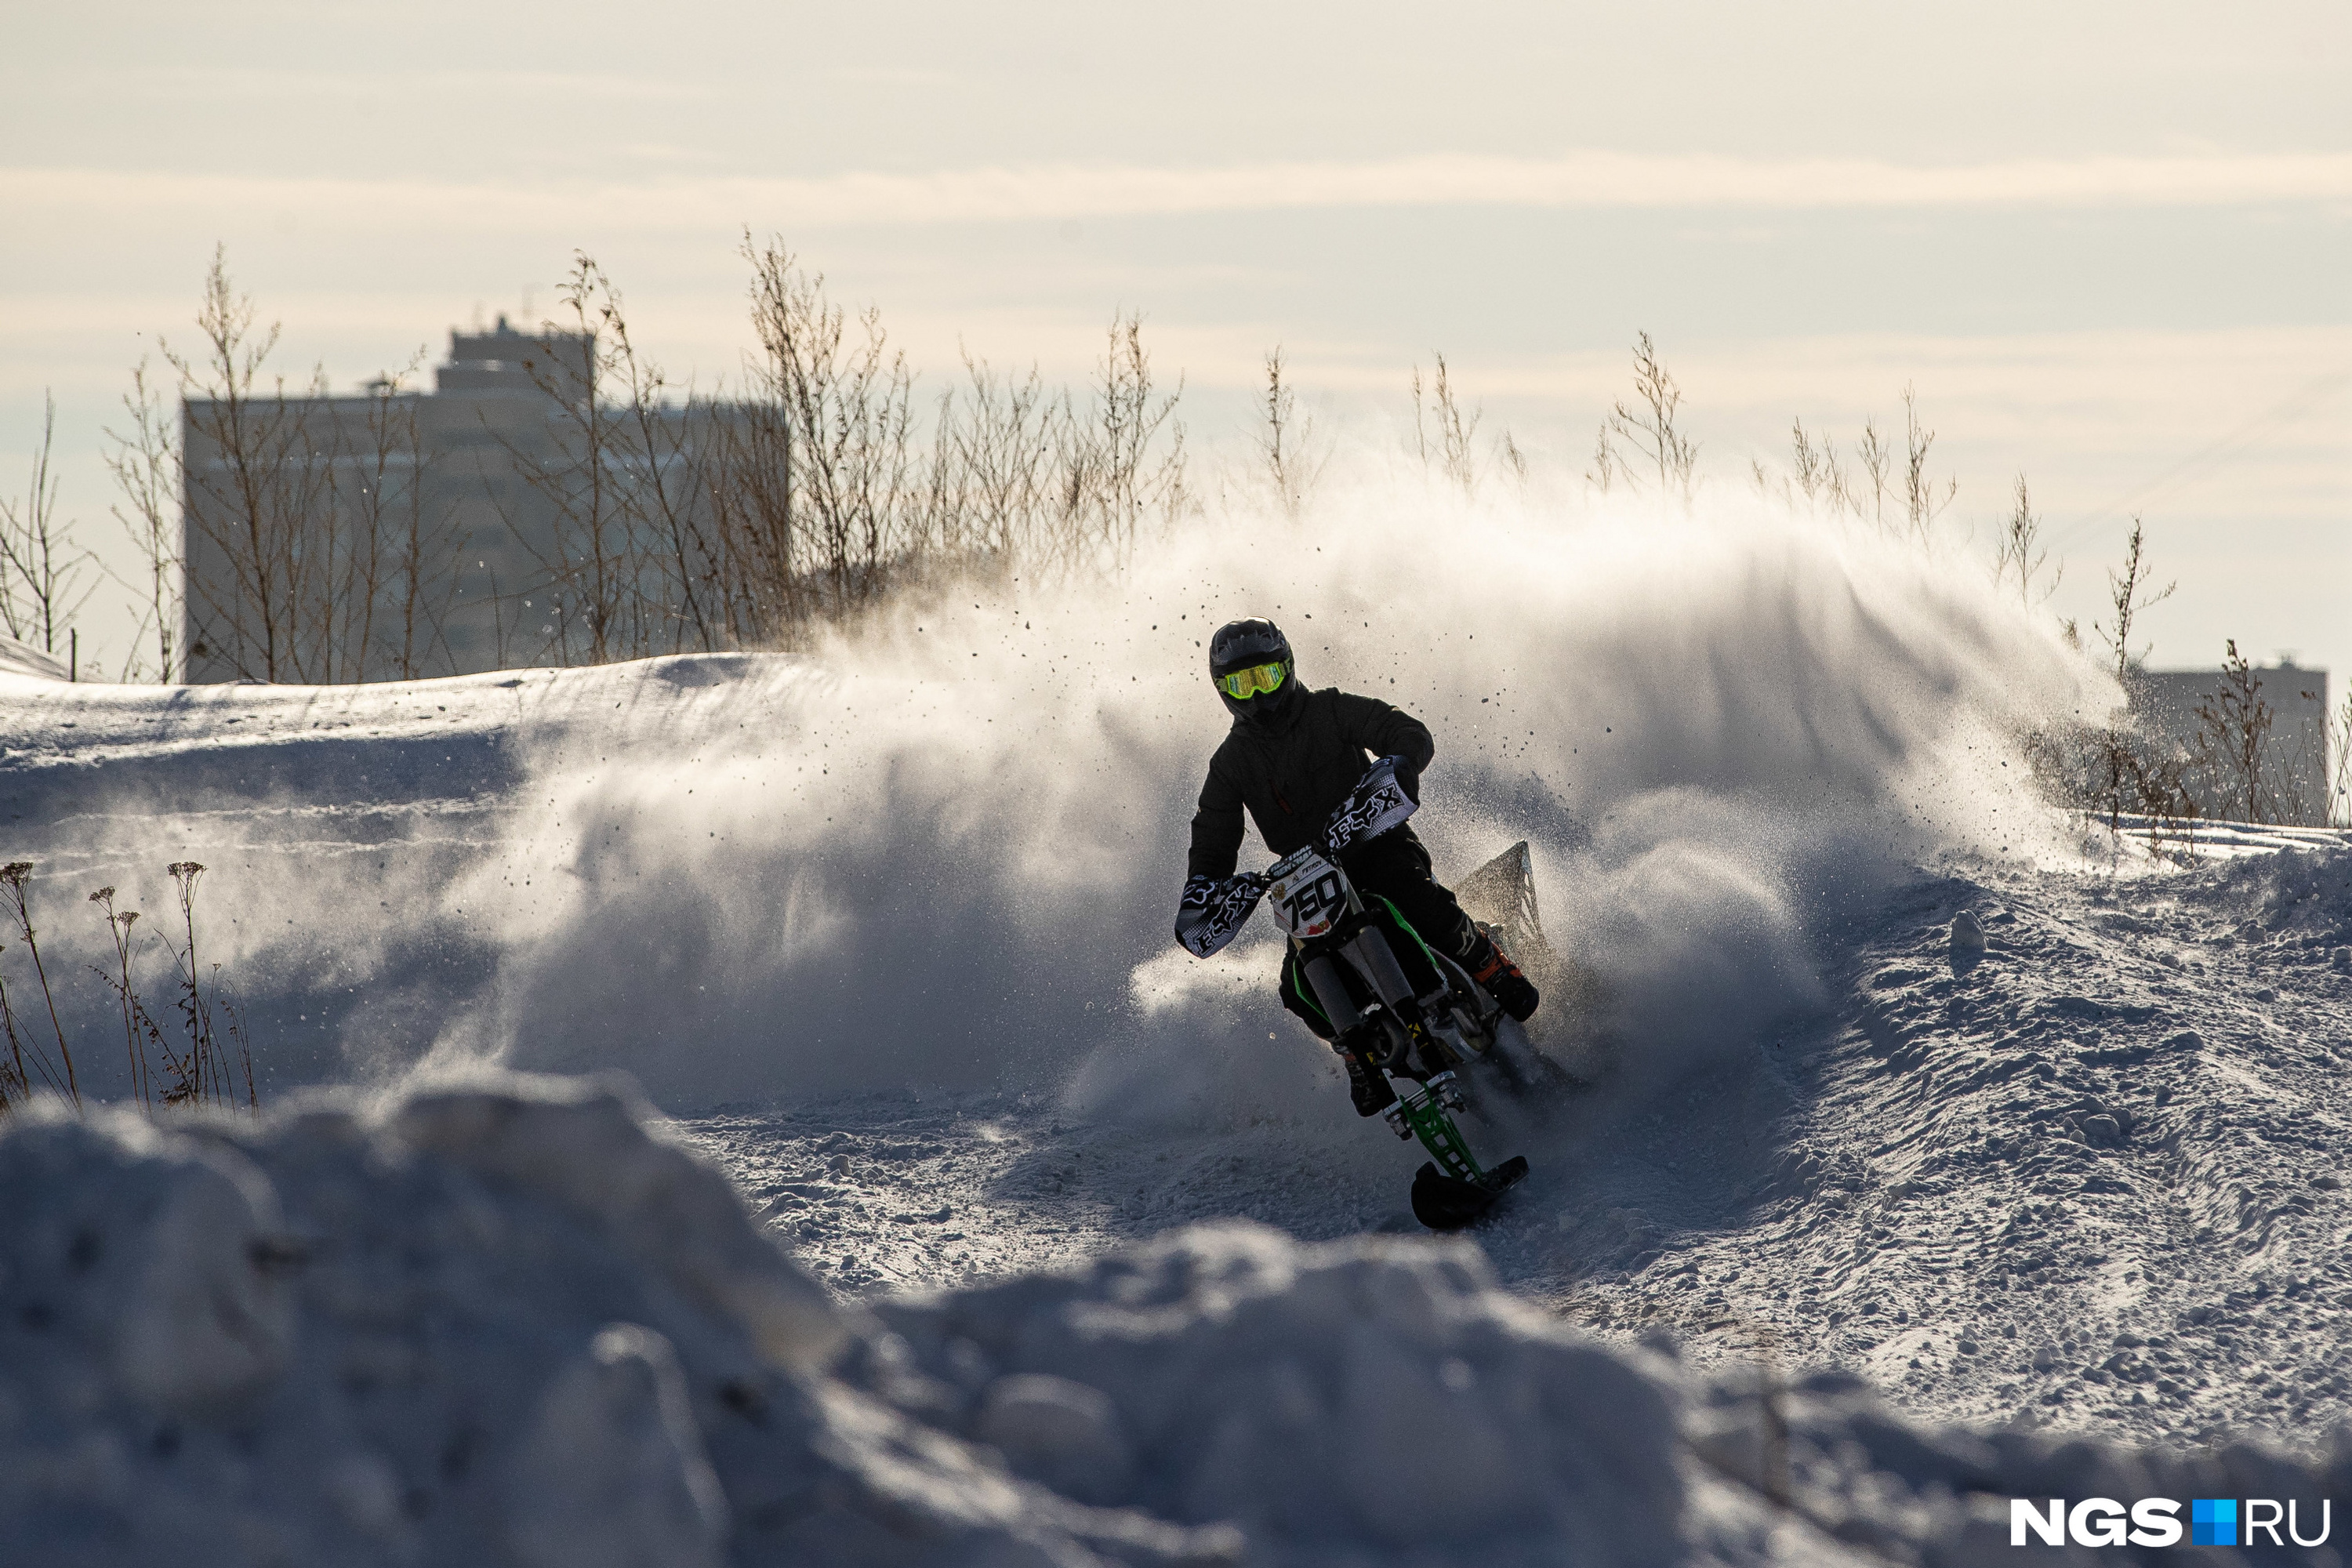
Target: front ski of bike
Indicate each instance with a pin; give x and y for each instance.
(1451, 1190)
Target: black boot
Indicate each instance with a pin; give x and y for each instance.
(1494, 970)
(1367, 1089)
(1435, 1057)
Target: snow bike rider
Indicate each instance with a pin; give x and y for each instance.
(1292, 757)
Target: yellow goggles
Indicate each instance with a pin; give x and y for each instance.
(1244, 684)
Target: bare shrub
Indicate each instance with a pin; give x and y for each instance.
(1648, 427)
(2020, 554)
(144, 459)
(1606, 469)
(1815, 467)
(1120, 477)
(1443, 436)
(832, 490)
(1003, 440)
(252, 487)
(628, 566)
(2110, 771)
(680, 520)
(1922, 503)
(45, 577)
(412, 555)
(2233, 732)
(848, 404)
(2339, 764)
(1287, 445)
(291, 544)
(2128, 595)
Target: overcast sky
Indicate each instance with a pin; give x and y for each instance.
(2110, 245)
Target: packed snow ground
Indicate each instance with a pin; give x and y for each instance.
(2093, 1178)
(883, 930)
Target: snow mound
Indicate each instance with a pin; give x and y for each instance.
(23, 659)
(513, 1323)
(506, 1325)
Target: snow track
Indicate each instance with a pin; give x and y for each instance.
(2094, 1178)
(2097, 1179)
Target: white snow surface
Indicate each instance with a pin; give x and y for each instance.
(514, 1323)
(883, 929)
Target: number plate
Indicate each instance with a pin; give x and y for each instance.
(1308, 894)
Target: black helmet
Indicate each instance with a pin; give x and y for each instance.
(1243, 646)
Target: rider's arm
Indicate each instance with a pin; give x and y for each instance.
(1216, 827)
(1387, 731)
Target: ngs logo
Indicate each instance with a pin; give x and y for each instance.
(2156, 1521)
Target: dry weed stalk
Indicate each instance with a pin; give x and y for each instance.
(2130, 775)
(1606, 470)
(12, 878)
(200, 1075)
(1443, 437)
(1285, 442)
(1649, 426)
(1922, 504)
(146, 464)
(2339, 764)
(2020, 553)
(1863, 489)
(2232, 737)
(45, 578)
(1815, 465)
(2128, 596)
(138, 1028)
(16, 1087)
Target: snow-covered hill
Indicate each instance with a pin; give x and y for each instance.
(883, 928)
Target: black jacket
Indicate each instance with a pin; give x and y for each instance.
(1292, 777)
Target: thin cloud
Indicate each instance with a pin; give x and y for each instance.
(1578, 180)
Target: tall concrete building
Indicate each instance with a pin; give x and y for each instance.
(393, 532)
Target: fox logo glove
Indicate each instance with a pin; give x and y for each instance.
(1212, 913)
(1377, 802)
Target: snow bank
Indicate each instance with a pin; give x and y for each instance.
(22, 659)
(511, 1324)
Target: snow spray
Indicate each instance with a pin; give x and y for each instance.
(943, 850)
(940, 850)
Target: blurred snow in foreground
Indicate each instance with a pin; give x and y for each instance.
(514, 1323)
